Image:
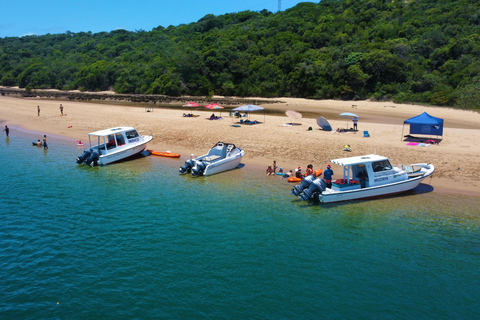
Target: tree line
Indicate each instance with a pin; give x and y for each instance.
(417, 51)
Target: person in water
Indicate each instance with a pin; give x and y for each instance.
(45, 142)
(39, 143)
(269, 171)
(6, 130)
(309, 170)
(298, 173)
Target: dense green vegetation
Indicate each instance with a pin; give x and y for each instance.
(421, 51)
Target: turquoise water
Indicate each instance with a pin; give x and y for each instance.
(136, 240)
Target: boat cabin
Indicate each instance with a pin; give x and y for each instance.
(219, 151)
(108, 140)
(367, 171)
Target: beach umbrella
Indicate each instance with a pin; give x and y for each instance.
(249, 108)
(349, 115)
(214, 106)
(293, 114)
(191, 105)
(324, 124)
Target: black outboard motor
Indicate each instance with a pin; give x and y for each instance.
(198, 171)
(93, 158)
(298, 189)
(84, 156)
(187, 167)
(317, 186)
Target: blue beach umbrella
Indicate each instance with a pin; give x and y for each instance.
(249, 108)
(349, 115)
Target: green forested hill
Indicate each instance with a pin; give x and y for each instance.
(421, 51)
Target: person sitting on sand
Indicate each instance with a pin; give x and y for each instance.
(280, 170)
(269, 171)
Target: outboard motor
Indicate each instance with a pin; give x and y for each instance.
(317, 186)
(187, 167)
(84, 156)
(200, 168)
(298, 189)
(93, 158)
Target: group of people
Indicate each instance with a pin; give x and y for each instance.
(238, 114)
(61, 110)
(44, 143)
(327, 173)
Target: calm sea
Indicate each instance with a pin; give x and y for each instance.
(135, 240)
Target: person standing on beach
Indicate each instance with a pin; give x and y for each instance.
(7, 130)
(327, 176)
(61, 109)
(45, 142)
(355, 120)
(38, 110)
(274, 167)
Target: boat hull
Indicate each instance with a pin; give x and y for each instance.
(329, 195)
(223, 165)
(124, 153)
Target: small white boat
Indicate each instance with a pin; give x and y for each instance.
(112, 145)
(221, 157)
(364, 177)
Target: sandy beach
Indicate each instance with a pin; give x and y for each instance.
(456, 157)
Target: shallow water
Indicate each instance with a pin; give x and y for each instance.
(136, 240)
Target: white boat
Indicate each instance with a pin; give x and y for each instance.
(221, 157)
(364, 177)
(112, 145)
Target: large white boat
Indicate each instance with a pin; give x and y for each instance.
(112, 145)
(364, 177)
(221, 157)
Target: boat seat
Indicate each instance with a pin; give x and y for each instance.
(211, 158)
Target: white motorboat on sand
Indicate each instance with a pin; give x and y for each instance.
(364, 177)
(221, 157)
(112, 145)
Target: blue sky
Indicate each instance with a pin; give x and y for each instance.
(27, 17)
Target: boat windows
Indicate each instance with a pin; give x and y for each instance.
(131, 134)
(381, 165)
(120, 139)
(111, 142)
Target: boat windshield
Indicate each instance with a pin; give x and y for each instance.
(131, 134)
(381, 165)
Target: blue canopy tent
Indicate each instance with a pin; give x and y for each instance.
(425, 124)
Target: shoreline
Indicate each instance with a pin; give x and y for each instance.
(456, 160)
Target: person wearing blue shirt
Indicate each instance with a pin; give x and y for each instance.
(327, 176)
